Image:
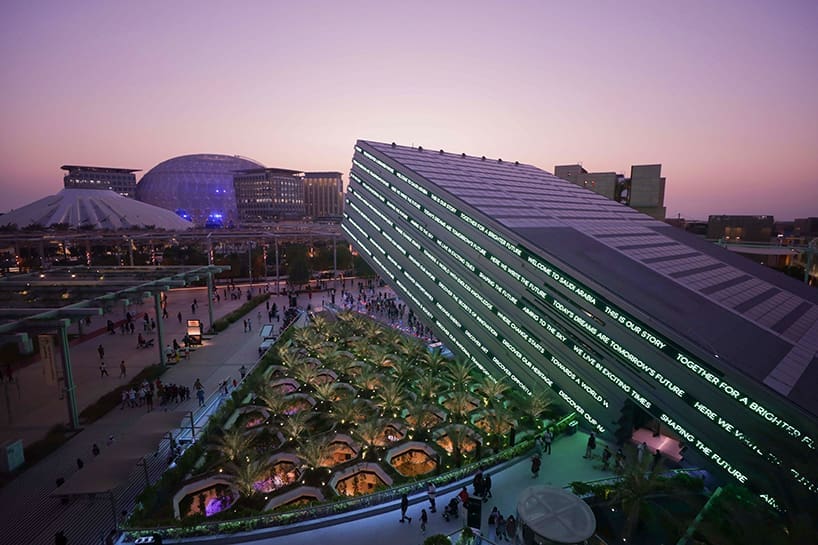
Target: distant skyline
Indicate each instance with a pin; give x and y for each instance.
(723, 94)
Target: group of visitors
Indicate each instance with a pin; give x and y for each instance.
(504, 528)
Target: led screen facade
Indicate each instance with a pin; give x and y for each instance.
(552, 286)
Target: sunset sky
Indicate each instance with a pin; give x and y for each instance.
(723, 94)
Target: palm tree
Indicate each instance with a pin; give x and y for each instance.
(420, 413)
(368, 379)
(306, 373)
(492, 389)
(461, 373)
(320, 325)
(535, 405)
(435, 359)
(272, 399)
(314, 452)
(368, 432)
(497, 419)
(348, 411)
(428, 385)
(326, 391)
(458, 435)
(411, 348)
(373, 331)
(296, 425)
(639, 482)
(459, 404)
(233, 444)
(390, 397)
(246, 475)
(289, 357)
(404, 371)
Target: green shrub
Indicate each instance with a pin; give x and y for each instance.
(222, 323)
(437, 539)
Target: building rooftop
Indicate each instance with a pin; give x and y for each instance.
(71, 168)
(738, 313)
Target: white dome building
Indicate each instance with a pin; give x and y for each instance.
(94, 209)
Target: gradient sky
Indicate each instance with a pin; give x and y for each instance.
(723, 94)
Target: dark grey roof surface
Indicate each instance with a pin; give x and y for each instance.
(759, 321)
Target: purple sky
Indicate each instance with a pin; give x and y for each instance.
(723, 94)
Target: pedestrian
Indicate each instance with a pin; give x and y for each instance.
(486, 487)
(193, 308)
(95, 450)
(249, 324)
(124, 397)
(493, 515)
(80, 463)
(590, 446)
(149, 398)
(132, 397)
(477, 483)
(657, 458)
(179, 316)
(640, 452)
(511, 528)
(200, 396)
(243, 372)
(539, 446)
(499, 527)
(60, 539)
(431, 492)
(424, 518)
(122, 371)
(404, 506)
(101, 351)
(548, 438)
(103, 371)
(245, 325)
(535, 466)
(606, 458)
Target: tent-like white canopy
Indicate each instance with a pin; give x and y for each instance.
(96, 209)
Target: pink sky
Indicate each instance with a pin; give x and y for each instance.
(724, 95)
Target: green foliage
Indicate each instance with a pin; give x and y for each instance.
(298, 267)
(437, 539)
(222, 323)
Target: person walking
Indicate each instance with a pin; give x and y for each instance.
(431, 492)
(499, 527)
(101, 351)
(404, 506)
(590, 446)
(486, 487)
(548, 438)
(80, 463)
(657, 458)
(606, 458)
(95, 449)
(535, 466)
(477, 483)
(200, 396)
(243, 372)
(640, 451)
(179, 317)
(424, 518)
(123, 372)
(511, 528)
(103, 371)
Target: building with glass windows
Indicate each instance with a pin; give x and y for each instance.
(197, 187)
(629, 322)
(323, 196)
(269, 194)
(121, 180)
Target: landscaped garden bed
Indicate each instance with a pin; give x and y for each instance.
(345, 407)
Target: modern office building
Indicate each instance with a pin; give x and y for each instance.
(269, 194)
(198, 187)
(323, 196)
(643, 191)
(121, 180)
(741, 228)
(626, 319)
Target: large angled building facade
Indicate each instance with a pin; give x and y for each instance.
(553, 286)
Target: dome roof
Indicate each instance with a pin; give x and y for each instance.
(94, 208)
(200, 185)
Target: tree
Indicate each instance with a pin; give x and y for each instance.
(232, 444)
(435, 359)
(491, 389)
(272, 399)
(246, 475)
(296, 425)
(459, 404)
(368, 432)
(535, 405)
(314, 452)
(390, 397)
(428, 385)
(298, 267)
(348, 411)
(461, 373)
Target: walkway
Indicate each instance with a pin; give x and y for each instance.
(30, 515)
